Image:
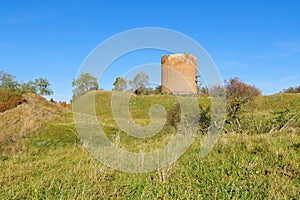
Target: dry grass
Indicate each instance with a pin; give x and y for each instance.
(55, 165)
(26, 118)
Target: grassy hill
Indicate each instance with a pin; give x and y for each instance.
(46, 160)
(24, 120)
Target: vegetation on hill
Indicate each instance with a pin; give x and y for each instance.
(261, 162)
(11, 90)
(83, 84)
(238, 94)
(9, 100)
(292, 90)
(42, 156)
(24, 121)
(40, 86)
(139, 85)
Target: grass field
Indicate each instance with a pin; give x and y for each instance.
(53, 164)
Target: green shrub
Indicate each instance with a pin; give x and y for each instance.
(202, 118)
(173, 116)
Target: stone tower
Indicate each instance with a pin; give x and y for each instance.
(178, 73)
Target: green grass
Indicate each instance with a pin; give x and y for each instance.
(54, 165)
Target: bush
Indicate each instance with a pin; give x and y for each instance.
(238, 94)
(63, 104)
(203, 117)
(173, 116)
(204, 120)
(158, 89)
(292, 90)
(143, 91)
(10, 99)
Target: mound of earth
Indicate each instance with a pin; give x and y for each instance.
(17, 123)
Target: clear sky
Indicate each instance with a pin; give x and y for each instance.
(256, 40)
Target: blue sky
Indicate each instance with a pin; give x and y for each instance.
(257, 40)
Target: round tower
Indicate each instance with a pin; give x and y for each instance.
(178, 73)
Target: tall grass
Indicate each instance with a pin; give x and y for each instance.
(54, 164)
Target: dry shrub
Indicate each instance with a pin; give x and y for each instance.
(238, 94)
(292, 90)
(63, 104)
(10, 99)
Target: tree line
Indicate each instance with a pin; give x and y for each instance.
(292, 90)
(11, 90)
(40, 86)
(138, 85)
(238, 95)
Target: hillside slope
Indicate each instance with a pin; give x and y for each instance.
(16, 123)
(55, 165)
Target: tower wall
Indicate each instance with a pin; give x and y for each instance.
(179, 73)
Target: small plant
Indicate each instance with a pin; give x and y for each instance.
(204, 119)
(173, 116)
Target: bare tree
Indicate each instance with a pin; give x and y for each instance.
(238, 94)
